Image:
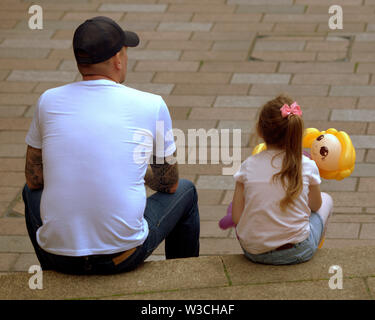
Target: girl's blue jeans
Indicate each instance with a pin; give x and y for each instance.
(301, 252)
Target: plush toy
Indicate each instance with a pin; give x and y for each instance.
(332, 151)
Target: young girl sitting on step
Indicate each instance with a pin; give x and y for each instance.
(278, 209)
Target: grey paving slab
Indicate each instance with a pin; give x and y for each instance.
(151, 276)
(353, 289)
(353, 262)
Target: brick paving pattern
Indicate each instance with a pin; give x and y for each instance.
(214, 62)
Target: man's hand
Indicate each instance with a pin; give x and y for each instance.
(34, 168)
(162, 177)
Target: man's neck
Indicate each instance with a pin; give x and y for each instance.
(96, 77)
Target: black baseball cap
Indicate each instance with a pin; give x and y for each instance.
(100, 38)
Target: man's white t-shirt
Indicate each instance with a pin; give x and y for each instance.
(263, 226)
(96, 138)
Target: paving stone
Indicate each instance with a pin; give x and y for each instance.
(198, 45)
(370, 156)
(367, 231)
(25, 261)
(246, 126)
(167, 66)
(214, 55)
(364, 170)
(342, 230)
(12, 111)
(246, 66)
(361, 141)
(328, 102)
(132, 7)
(293, 90)
(371, 284)
(223, 36)
(202, 8)
(21, 244)
(283, 56)
(357, 199)
(158, 17)
(274, 45)
(318, 267)
(7, 261)
(189, 101)
(231, 45)
(230, 113)
(192, 77)
(211, 229)
(241, 27)
(331, 79)
(351, 128)
(219, 246)
(146, 35)
(13, 226)
(154, 55)
(270, 8)
(238, 101)
(156, 88)
(209, 197)
(352, 91)
(7, 194)
(260, 78)
(212, 212)
(260, 2)
(215, 182)
(214, 17)
(184, 26)
(12, 150)
(353, 115)
(211, 89)
(175, 274)
(348, 184)
(12, 179)
(36, 43)
(82, 16)
(316, 67)
(12, 164)
(20, 86)
(38, 76)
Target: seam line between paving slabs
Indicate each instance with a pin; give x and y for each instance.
(226, 272)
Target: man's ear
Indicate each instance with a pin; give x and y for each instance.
(117, 60)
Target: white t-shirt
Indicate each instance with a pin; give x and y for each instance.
(263, 226)
(96, 138)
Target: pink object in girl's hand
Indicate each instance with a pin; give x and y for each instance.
(227, 222)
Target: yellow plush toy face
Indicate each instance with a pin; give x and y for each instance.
(326, 151)
(333, 153)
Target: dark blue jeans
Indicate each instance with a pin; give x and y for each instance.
(173, 217)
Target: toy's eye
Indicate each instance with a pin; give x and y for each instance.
(324, 151)
(320, 137)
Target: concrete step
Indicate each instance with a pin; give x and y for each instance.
(213, 277)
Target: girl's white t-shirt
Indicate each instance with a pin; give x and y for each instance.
(263, 226)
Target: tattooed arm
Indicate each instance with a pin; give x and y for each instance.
(34, 168)
(162, 177)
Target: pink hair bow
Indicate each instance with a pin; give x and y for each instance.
(294, 108)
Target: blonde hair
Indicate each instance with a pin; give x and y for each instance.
(286, 134)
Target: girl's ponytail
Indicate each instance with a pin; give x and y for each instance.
(284, 132)
(291, 171)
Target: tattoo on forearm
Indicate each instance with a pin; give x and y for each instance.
(162, 177)
(34, 168)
